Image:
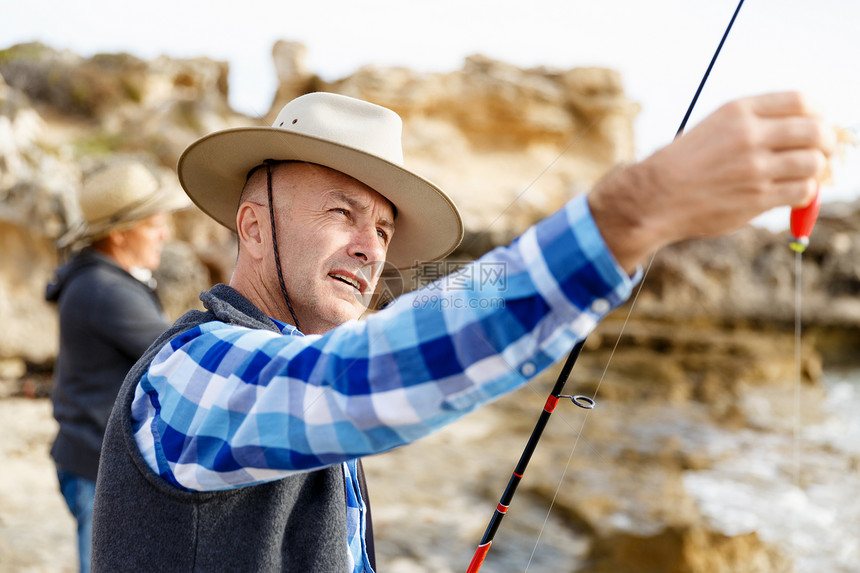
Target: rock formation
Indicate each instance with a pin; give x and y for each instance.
(704, 363)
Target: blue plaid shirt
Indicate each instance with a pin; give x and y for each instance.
(224, 406)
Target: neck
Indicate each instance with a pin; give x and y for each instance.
(108, 249)
(267, 297)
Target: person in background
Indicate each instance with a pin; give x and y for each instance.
(108, 315)
(235, 441)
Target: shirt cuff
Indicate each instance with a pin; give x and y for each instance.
(579, 212)
(572, 265)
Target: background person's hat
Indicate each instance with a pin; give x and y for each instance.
(117, 197)
(352, 136)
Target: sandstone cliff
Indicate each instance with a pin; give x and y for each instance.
(696, 382)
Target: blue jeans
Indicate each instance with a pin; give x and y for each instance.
(79, 494)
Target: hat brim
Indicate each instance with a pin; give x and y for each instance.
(162, 201)
(213, 170)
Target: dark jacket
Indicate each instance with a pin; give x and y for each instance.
(142, 523)
(107, 320)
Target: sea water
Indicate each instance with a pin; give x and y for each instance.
(799, 491)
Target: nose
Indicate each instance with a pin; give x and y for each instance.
(367, 245)
(164, 231)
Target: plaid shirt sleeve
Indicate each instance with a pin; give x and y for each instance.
(224, 406)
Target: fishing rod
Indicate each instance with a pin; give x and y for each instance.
(556, 393)
(525, 457)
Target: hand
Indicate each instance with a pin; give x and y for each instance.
(747, 157)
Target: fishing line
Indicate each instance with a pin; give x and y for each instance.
(585, 418)
(582, 133)
(798, 372)
(798, 360)
(501, 509)
(679, 132)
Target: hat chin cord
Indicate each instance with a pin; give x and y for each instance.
(268, 163)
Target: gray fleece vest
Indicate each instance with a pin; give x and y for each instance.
(142, 523)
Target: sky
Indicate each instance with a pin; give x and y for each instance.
(660, 47)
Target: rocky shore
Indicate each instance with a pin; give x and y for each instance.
(644, 486)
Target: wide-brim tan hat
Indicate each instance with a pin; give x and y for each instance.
(355, 137)
(118, 197)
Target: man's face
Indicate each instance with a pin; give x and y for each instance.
(333, 236)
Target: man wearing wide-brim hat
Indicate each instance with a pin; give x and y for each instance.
(235, 441)
(108, 314)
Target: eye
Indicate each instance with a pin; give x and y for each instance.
(383, 235)
(340, 210)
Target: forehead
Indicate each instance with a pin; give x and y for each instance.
(308, 182)
(154, 220)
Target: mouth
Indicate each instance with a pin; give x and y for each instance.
(350, 280)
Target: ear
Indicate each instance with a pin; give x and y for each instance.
(115, 240)
(250, 222)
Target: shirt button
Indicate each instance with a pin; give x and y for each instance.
(528, 369)
(600, 306)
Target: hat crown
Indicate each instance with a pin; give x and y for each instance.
(346, 121)
(115, 190)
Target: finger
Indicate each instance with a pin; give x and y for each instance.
(799, 132)
(794, 193)
(782, 104)
(797, 164)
